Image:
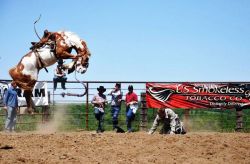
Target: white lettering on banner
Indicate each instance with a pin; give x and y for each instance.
(209, 89)
(39, 95)
(214, 98)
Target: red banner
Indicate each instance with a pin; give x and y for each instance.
(198, 95)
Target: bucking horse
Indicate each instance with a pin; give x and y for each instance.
(52, 46)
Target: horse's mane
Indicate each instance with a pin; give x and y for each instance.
(72, 39)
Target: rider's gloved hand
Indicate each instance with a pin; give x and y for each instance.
(171, 132)
(150, 132)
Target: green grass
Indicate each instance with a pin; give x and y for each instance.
(75, 117)
(24, 122)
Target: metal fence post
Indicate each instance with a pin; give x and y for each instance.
(186, 119)
(239, 119)
(87, 107)
(144, 110)
(45, 114)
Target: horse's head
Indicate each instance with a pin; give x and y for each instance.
(62, 43)
(82, 60)
(81, 63)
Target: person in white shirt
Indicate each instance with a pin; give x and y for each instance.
(99, 102)
(170, 120)
(116, 98)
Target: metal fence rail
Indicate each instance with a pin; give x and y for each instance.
(79, 113)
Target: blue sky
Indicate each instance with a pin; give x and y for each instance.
(138, 40)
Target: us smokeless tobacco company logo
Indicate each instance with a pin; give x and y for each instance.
(160, 94)
(208, 92)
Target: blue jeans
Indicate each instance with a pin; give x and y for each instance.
(100, 118)
(130, 117)
(115, 110)
(59, 79)
(10, 122)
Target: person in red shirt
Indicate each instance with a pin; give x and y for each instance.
(131, 101)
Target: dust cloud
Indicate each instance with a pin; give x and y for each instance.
(53, 125)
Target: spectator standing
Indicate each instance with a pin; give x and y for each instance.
(99, 102)
(11, 106)
(131, 107)
(116, 98)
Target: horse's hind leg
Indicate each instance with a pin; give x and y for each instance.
(30, 104)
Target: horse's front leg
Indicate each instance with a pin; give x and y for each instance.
(30, 104)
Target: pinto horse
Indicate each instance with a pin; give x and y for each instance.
(51, 47)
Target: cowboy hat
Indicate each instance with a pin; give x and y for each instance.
(101, 88)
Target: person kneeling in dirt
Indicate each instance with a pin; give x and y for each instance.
(99, 102)
(170, 120)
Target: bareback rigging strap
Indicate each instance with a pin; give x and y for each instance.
(40, 62)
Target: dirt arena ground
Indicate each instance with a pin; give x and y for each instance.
(138, 147)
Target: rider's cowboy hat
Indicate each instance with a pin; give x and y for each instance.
(101, 88)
